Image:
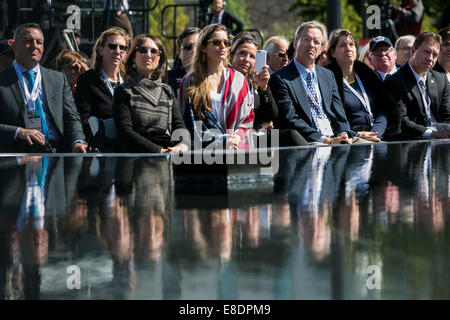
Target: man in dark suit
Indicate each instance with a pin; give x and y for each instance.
(186, 44)
(222, 16)
(422, 95)
(307, 95)
(38, 113)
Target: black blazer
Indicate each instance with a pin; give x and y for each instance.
(228, 19)
(60, 105)
(175, 76)
(383, 110)
(92, 98)
(406, 93)
(294, 111)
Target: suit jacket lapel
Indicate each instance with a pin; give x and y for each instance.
(299, 90)
(17, 92)
(324, 90)
(412, 83)
(432, 91)
(50, 98)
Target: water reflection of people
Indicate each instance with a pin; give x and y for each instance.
(119, 239)
(313, 192)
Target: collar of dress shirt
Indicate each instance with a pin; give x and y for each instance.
(23, 69)
(303, 71)
(417, 76)
(383, 75)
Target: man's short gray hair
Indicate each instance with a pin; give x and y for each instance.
(269, 46)
(402, 40)
(312, 24)
(21, 28)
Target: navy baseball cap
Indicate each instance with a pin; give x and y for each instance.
(377, 40)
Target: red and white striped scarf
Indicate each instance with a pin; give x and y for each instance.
(237, 103)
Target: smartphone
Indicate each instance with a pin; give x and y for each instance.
(261, 57)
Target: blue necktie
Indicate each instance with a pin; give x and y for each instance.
(316, 111)
(39, 110)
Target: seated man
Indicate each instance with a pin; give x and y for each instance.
(186, 46)
(383, 57)
(307, 95)
(422, 95)
(403, 47)
(277, 57)
(38, 113)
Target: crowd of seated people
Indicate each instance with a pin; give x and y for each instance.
(317, 90)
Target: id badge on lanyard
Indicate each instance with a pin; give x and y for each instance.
(364, 99)
(34, 121)
(108, 83)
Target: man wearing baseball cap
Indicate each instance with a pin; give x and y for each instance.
(383, 56)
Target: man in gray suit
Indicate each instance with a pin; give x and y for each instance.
(37, 110)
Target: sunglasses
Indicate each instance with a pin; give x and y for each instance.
(281, 54)
(144, 50)
(113, 46)
(188, 47)
(247, 38)
(218, 42)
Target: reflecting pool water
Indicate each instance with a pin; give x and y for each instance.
(345, 222)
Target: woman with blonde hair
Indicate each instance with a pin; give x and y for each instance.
(95, 88)
(216, 101)
(145, 108)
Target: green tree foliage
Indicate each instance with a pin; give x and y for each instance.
(239, 9)
(317, 10)
(351, 13)
(155, 24)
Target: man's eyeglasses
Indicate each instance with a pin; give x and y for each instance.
(144, 50)
(308, 41)
(218, 42)
(188, 47)
(446, 44)
(280, 54)
(380, 52)
(114, 46)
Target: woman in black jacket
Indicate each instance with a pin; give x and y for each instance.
(145, 109)
(367, 104)
(243, 58)
(95, 88)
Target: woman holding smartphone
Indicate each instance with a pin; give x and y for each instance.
(243, 58)
(216, 101)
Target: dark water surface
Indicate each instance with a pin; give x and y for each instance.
(359, 222)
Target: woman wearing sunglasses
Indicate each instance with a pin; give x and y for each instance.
(145, 109)
(243, 59)
(216, 101)
(95, 88)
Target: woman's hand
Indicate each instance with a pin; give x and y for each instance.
(369, 136)
(263, 78)
(233, 141)
(181, 147)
